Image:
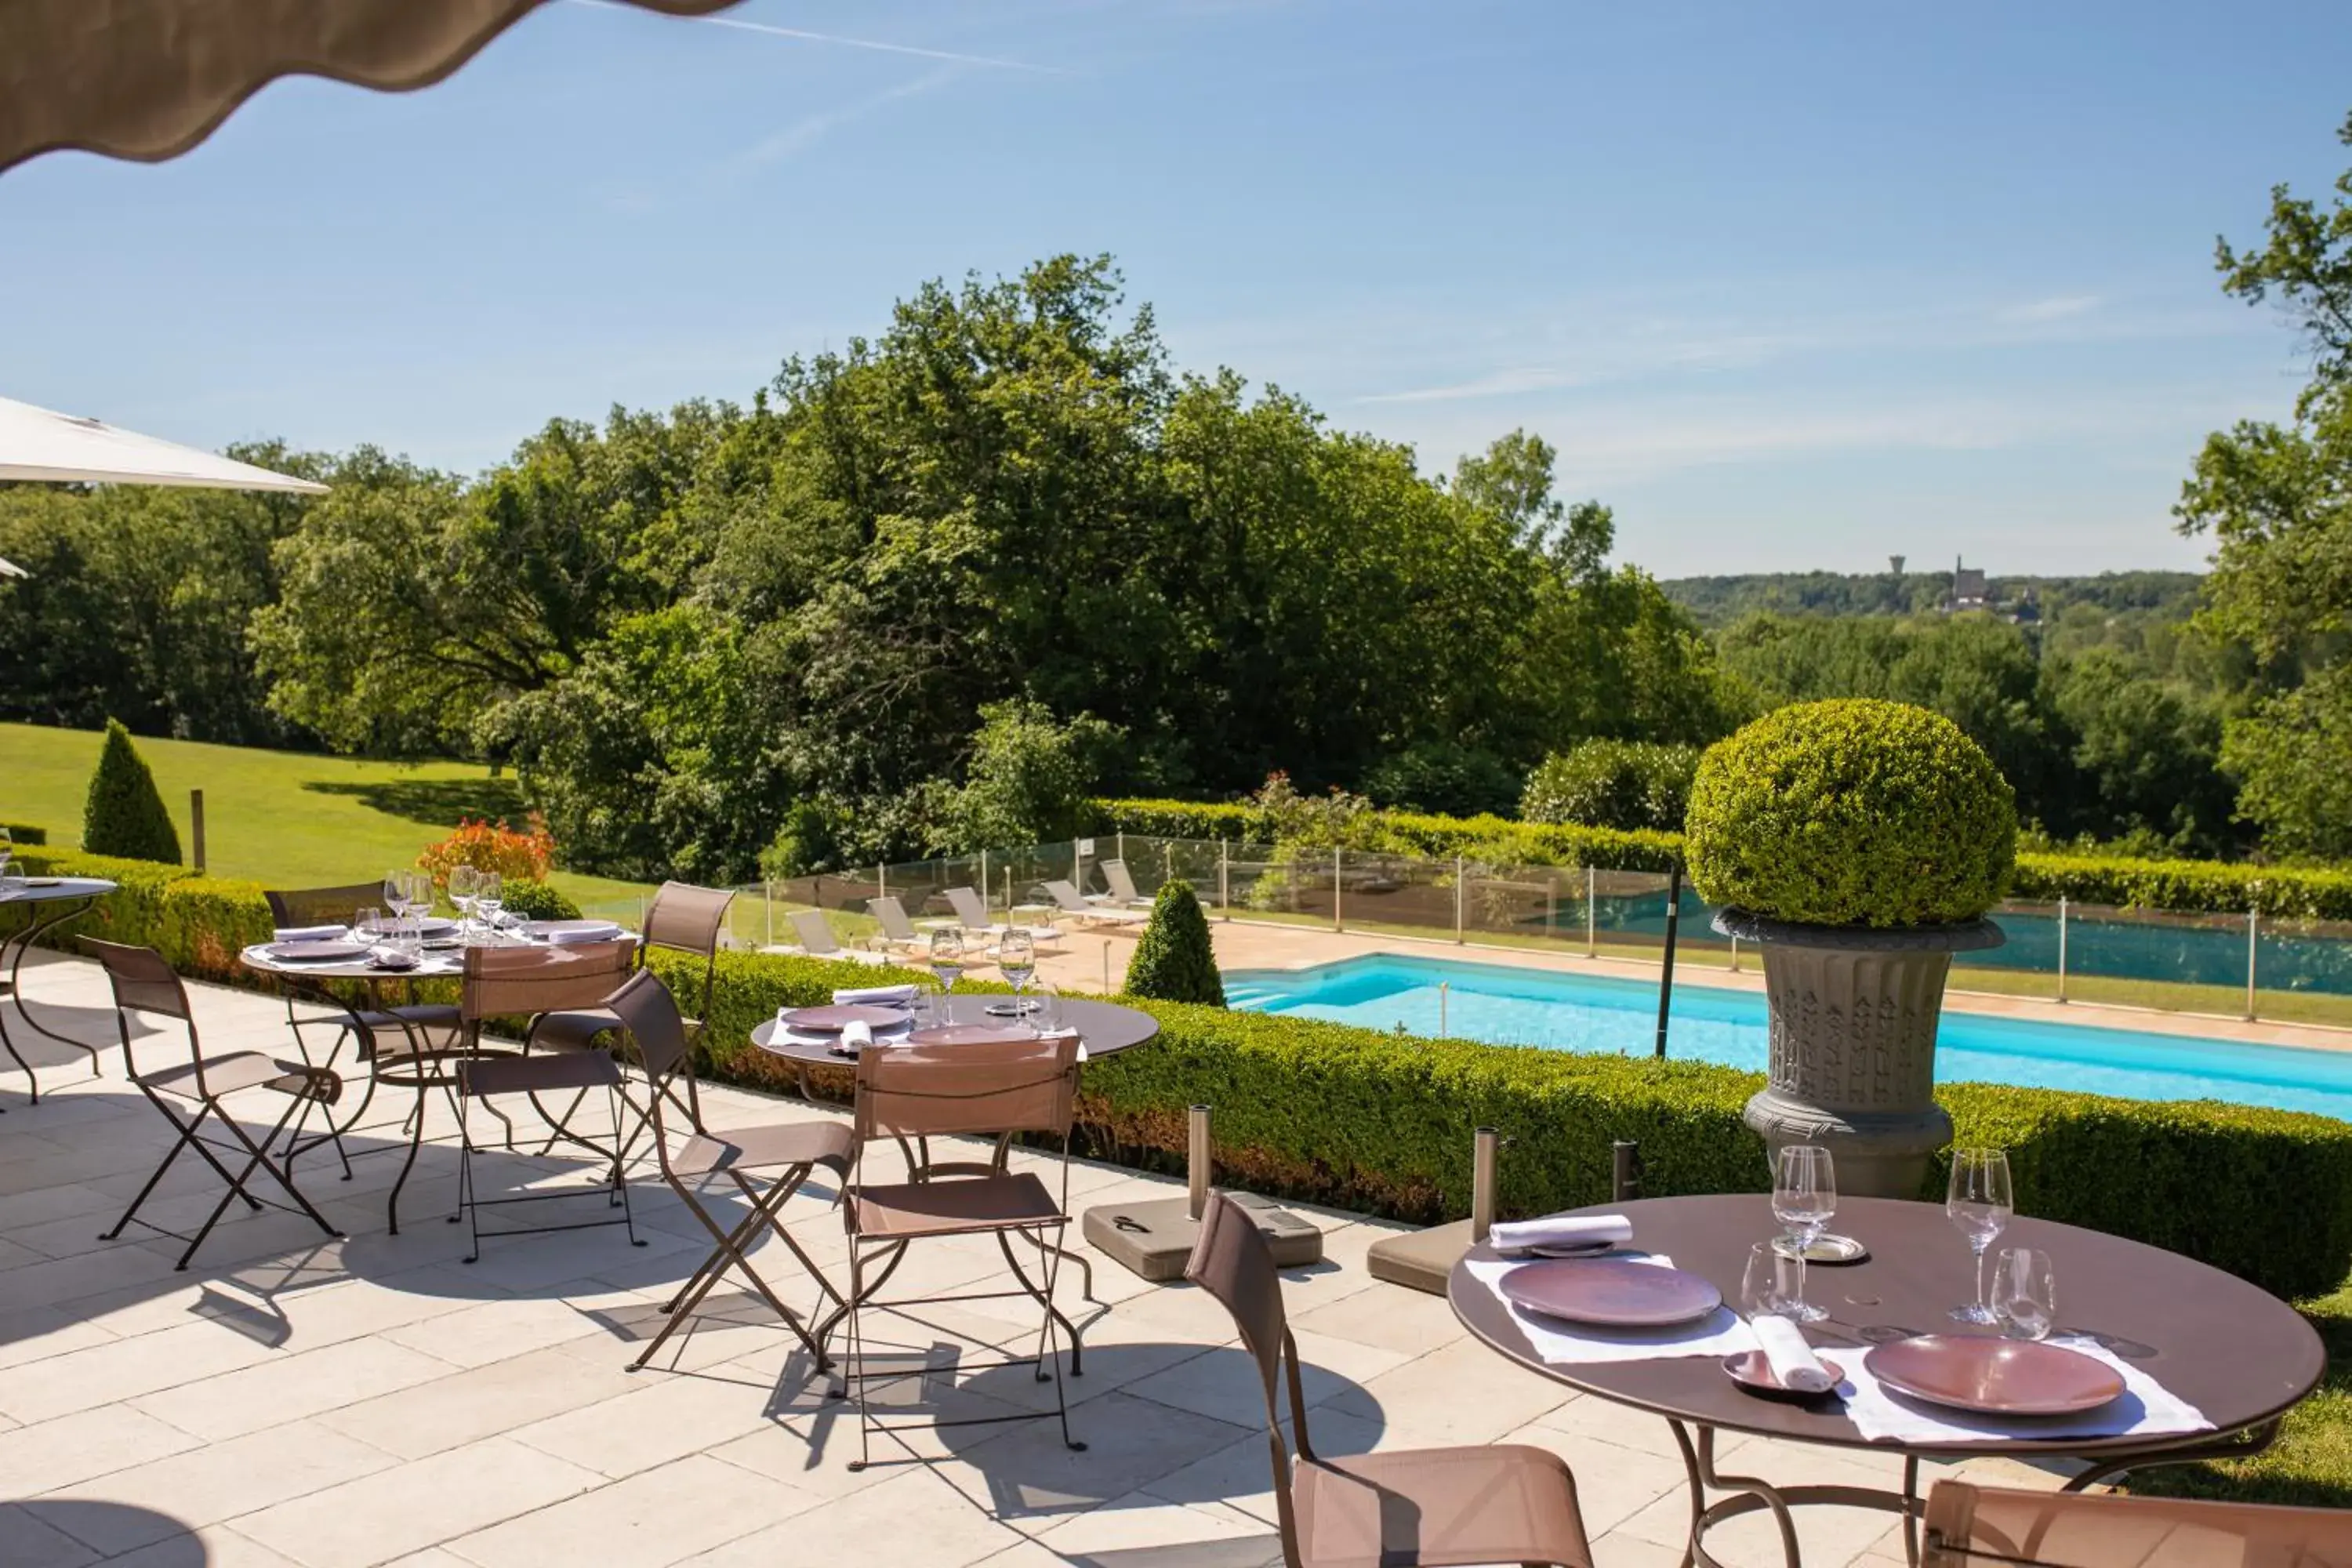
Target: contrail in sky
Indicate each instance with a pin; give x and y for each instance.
(804, 35)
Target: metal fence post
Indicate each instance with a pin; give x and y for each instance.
(1591, 903)
(1008, 895)
(1121, 841)
(1337, 924)
(1198, 1155)
(983, 881)
(1551, 907)
(1735, 955)
(2253, 926)
(196, 826)
(768, 913)
(2061, 947)
(1457, 899)
(1666, 975)
(1444, 988)
(881, 882)
(1225, 882)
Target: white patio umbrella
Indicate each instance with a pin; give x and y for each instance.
(35, 444)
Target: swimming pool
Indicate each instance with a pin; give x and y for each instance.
(1589, 1013)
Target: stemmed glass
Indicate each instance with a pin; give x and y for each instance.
(1804, 1197)
(463, 881)
(395, 899)
(367, 928)
(2025, 1293)
(490, 892)
(947, 964)
(1979, 1204)
(1016, 959)
(419, 900)
(1772, 1282)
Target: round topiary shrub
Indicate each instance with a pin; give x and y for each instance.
(538, 902)
(123, 814)
(1174, 961)
(1851, 812)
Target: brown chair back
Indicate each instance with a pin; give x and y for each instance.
(1971, 1526)
(688, 919)
(142, 981)
(318, 906)
(1017, 1084)
(1231, 1262)
(505, 980)
(648, 1011)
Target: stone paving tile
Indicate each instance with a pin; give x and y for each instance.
(392, 1512)
(468, 1407)
(28, 1541)
(124, 1369)
(290, 1387)
(43, 1456)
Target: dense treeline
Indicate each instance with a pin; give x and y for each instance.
(1717, 601)
(930, 591)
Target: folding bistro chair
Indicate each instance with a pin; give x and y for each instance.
(767, 1164)
(995, 1088)
(1505, 1503)
(292, 909)
(1971, 1526)
(143, 982)
(682, 919)
(507, 980)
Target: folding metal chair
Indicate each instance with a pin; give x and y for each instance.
(999, 1087)
(143, 982)
(766, 1164)
(1505, 1503)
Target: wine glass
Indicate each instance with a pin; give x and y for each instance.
(1773, 1281)
(395, 899)
(463, 879)
(2025, 1293)
(420, 900)
(489, 897)
(1804, 1197)
(947, 964)
(1979, 1204)
(1016, 959)
(367, 927)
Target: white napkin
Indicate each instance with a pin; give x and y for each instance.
(875, 995)
(310, 933)
(1560, 1230)
(855, 1036)
(391, 958)
(567, 937)
(1559, 1342)
(1793, 1361)
(2147, 1408)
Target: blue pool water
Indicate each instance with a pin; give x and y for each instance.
(1587, 1013)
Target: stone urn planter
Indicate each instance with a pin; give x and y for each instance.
(1858, 844)
(1852, 1054)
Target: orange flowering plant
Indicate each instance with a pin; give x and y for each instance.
(515, 856)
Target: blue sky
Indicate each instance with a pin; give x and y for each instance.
(1790, 285)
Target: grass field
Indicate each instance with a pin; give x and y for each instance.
(285, 819)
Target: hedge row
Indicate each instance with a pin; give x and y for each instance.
(24, 833)
(1381, 1121)
(2193, 887)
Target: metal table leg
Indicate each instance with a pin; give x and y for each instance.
(64, 910)
(1751, 1494)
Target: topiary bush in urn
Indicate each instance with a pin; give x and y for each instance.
(1859, 844)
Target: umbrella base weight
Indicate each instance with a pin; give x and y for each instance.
(1420, 1259)
(1154, 1239)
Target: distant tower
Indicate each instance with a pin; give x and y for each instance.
(1895, 564)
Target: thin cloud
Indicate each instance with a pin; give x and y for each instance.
(1502, 384)
(802, 35)
(2058, 308)
(808, 129)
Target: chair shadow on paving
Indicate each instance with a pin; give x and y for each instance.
(67, 1532)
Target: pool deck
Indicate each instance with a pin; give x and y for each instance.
(1091, 953)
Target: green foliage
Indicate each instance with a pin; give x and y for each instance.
(124, 816)
(1491, 839)
(2289, 892)
(1375, 1121)
(25, 832)
(1852, 813)
(538, 902)
(1442, 777)
(1719, 602)
(1613, 784)
(1027, 779)
(1174, 960)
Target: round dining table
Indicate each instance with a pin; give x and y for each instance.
(53, 900)
(2241, 1355)
(1106, 1027)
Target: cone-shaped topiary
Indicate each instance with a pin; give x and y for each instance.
(1174, 961)
(124, 816)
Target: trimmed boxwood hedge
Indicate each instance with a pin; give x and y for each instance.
(24, 833)
(2193, 887)
(1380, 1122)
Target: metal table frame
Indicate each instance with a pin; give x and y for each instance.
(73, 897)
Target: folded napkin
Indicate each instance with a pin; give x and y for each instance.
(391, 958)
(310, 933)
(854, 1037)
(570, 935)
(875, 995)
(1793, 1361)
(1562, 1343)
(1560, 1230)
(2146, 1408)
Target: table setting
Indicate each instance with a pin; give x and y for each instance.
(859, 1017)
(404, 937)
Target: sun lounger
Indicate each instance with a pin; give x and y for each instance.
(1066, 900)
(1123, 894)
(817, 940)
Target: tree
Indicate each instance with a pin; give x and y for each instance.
(1029, 779)
(1174, 960)
(124, 816)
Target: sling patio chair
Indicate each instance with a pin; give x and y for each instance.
(532, 981)
(685, 920)
(1971, 1526)
(817, 941)
(1123, 894)
(767, 1163)
(143, 982)
(898, 932)
(298, 909)
(1014, 1083)
(1067, 901)
(1505, 1503)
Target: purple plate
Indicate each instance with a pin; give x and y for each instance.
(833, 1018)
(1996, 1377)
(1611, 1292)
(318, 951)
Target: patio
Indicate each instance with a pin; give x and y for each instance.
(375, 1400)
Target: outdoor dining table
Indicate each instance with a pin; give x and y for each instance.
(2241, 1356)
(55, 900)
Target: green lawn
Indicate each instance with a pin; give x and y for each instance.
(285, 819)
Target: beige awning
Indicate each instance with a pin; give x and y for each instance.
(35, 444)
(149, 79)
